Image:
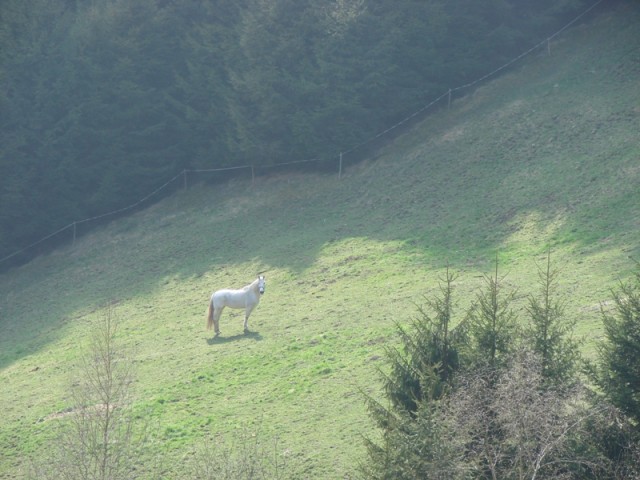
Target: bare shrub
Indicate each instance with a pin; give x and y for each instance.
(246, 455)
(98, 437)
(517, 428)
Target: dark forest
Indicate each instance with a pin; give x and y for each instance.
(103, 101)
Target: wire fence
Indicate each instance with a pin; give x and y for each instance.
(338, 157)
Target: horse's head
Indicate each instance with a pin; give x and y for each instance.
(261, 284)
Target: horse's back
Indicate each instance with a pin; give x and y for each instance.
(231, 298)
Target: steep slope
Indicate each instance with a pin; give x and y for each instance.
(547, 156)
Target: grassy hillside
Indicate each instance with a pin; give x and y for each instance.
(546, 156)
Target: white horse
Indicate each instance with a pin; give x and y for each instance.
(247, 297)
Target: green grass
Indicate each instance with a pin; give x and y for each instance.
(545, 156)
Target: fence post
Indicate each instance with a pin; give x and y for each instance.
(340, 167)
(74, 234)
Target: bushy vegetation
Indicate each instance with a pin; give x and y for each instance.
(103, 101)
(619, 372)
(455, 412)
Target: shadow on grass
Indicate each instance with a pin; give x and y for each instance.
(459, 187)
(235, 338)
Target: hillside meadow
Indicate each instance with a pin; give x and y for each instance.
(545, 157)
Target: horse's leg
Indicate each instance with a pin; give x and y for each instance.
(247, 312)
(216, 320)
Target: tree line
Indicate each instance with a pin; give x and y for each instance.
(102, 101)
(491, 396)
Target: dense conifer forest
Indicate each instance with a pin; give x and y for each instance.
(102, 101)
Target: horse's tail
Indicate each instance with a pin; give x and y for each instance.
(210, 315)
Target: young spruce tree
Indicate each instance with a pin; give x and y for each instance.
(492, 325)
(550, 333)
(416, 443)
(430, 353)
(619, 373)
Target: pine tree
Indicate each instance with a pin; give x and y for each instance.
(550, 332)
(619, 373)
(492, 324)
(432, 345)
(417, 444)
